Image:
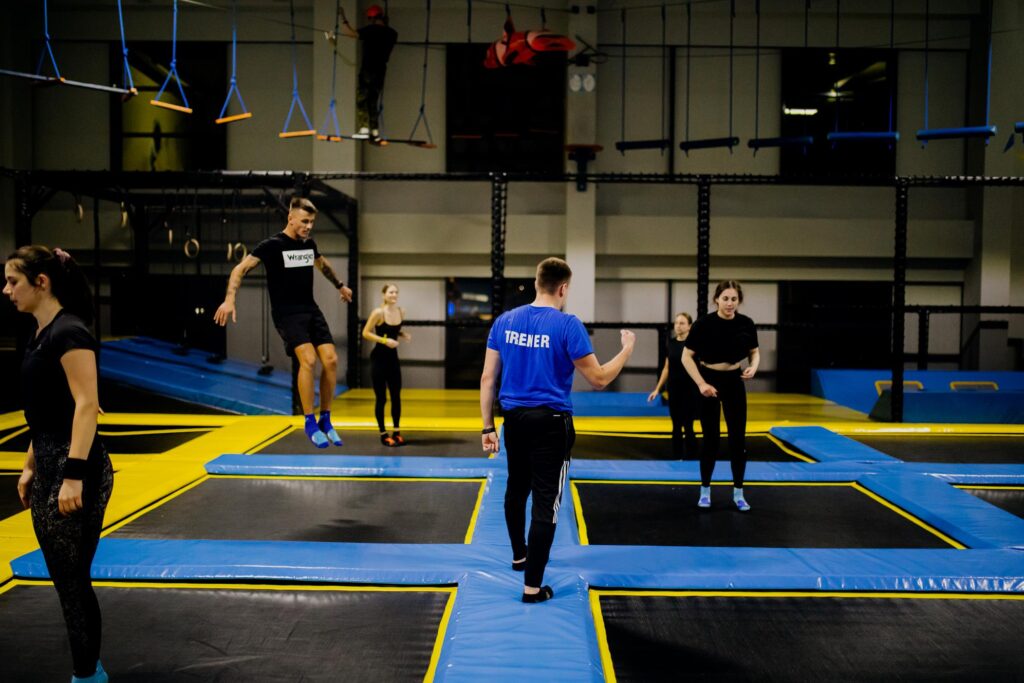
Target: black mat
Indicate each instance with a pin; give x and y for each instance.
(648, 447)
(274, 509)
(967, 448)
(366, 442)
(126, 443)
(781, 517)
(174, 634)
(1011, 500)
(813, 639)
(9, 430)
(10, 504)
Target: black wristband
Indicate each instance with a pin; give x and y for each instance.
(339, 285)
(489, 430)
(76, 468)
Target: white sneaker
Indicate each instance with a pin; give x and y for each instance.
(363, 134)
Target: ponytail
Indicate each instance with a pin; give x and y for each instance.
(70, 286)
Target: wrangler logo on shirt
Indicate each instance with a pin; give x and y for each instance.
(542, 341)
(301, 258)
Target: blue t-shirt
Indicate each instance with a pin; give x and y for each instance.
(538, 345)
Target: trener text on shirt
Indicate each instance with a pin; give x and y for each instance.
(532, 340)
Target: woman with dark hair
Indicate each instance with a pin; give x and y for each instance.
(384, 326)
(717, 344)
(67, 478)
(682, 392)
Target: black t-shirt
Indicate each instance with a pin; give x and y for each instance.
(717, 340)
(378, 41)
(289, 265)
(49, 405)
(676, 372)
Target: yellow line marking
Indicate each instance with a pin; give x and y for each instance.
(581, 525)
(989, 487)
(874, 595)
(903, 513)
(346, 588)
(955, 385)
(602, 635)
(476, 512)
(442, 630)
(155, 504)
(714, 483)
(786, 449)
(883, 384)
(147, 432)
(16, 432)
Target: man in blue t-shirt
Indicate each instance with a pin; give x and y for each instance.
(535, 349)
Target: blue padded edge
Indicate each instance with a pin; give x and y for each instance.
(616, 404)
(825, 445)
(352, 466)
(958, 473)
(813, 569)
(966, 518)
(686, 470)
(959, 407)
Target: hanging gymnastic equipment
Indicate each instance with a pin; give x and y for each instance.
(889, 136)
(710, 143)
(309, 131)
(127, 83)
(173, 73)
(57, 79)
(332, 108)
(1017, 128)
(662, 143)
(422, 116)
(234, 74)
(965, 132)
(758, 142)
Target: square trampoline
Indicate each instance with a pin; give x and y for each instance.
(760, 447)
(122, 439)
(452, 444)
(784, 515)
(994, 448)
(335, 509)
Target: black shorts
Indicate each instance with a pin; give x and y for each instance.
(297, 329)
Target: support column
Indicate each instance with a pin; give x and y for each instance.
(581, 207)
(703, 245)
(899, 296)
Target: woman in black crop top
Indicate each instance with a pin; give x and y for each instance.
(717, 345)
(67, 476)
(384, 326)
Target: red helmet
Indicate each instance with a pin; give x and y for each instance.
(374, 11)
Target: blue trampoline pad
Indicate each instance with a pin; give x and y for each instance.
(195, 632)
(363, 510)
(671, 636)
(1009, 498)
(783, 515)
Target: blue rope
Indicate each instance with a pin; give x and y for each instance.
(423, 88)
(47, 49)
(926, 16)
(126, 78)
(732, 24)
(332, 109)
(173, 73)
(757, 74)
(234, 63)
(295, 79)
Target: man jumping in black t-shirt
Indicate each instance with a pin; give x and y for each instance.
(289, 258)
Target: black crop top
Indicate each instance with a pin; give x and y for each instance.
(717, 340)
(49, 405)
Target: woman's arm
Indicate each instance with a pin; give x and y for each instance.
(80, 368)
(371, 322)
(661, 382)
(28, 473)
(755, 360)
(691, 369)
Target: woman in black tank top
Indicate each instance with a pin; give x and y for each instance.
(384, 327)
(683, 396)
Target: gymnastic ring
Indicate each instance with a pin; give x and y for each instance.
(124, 215)
(237, 252)
(191, 248)
(79, 211)
(170, 234)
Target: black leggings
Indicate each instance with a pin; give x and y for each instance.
(69, 543)
(538, 442)
(732, 397)
(683, 407)
(387, 375)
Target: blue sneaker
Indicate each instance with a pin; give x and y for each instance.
(332, 434)
(741, 503)
(705, 497)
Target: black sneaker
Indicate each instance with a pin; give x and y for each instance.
(544, 595)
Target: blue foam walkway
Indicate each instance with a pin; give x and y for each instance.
(152, 365)
(616, 404)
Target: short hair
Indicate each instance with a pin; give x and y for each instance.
(552, 273)
(728, 284)
(302, 203)
(689, 319)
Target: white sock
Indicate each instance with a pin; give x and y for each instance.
(737, 494)
(705, 491)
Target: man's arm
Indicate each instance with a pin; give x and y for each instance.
(599, 376)
(488, 380)
(324, 267)
(346, 28)
(234, 282)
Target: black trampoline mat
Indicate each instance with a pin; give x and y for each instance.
(159, 442)
(121, 398)
(367, 442)
(9, 430)
(10, 504)
(593, 446)
(965, 448)
(781, 517)
(340, 510)
(200, 634)
(813, 639)
(1011, 500)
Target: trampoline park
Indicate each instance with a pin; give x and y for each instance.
(859, 169)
